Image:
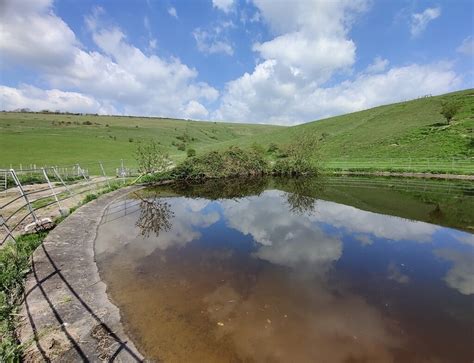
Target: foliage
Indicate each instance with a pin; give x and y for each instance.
(299, 158)
(220, 164)
(191, 152)
(449, 109)
(272, 148)
(150, 157)
(14, 265)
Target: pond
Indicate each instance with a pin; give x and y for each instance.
(299, 270)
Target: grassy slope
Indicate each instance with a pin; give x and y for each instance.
(32, 138)
(409, 129)
(413, 129)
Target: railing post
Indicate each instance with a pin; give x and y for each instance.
(23, 194)
(52, 190)
(104, 174)
(61, 179)
(79, 171)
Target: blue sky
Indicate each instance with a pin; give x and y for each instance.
(260, 61)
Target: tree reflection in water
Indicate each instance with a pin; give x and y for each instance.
(155, 215)
(298, 200)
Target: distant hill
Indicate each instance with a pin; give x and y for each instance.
(48, 139)
(413, 129)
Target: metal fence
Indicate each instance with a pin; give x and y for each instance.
(33, 197)
(422, 165)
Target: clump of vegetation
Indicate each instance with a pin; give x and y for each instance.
(298, 159)
(14, 265)
(450, 109)
(151, 158)
(272, 148)
(191, 153)
(232, 162)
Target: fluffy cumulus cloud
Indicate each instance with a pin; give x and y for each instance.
(266, 96)
(419, 21)
(311, 44)
(118, 73)
(35, 98)
(293, 81)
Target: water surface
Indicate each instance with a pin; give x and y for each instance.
(345, 270)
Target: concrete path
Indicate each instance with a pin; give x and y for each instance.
(66, 314)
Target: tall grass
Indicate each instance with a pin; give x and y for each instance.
(14, 265)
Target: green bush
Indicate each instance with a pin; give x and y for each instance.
(220, 164)
(191, 153)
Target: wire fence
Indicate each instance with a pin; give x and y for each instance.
(416, 165)
(32, 198)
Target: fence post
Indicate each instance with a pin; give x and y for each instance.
(52, 190)
(23, 194)
(61, 179)
(79, 171)
(104, 174)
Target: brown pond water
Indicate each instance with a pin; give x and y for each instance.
(285, 271)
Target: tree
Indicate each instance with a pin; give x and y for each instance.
(151, 157)
(450, 109)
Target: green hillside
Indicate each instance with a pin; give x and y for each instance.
(413, 129)
(409, 135)
(61, 139)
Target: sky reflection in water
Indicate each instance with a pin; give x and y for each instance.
(264, 278)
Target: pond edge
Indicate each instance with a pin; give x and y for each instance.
(66, 314)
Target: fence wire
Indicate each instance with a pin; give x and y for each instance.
(33, 197)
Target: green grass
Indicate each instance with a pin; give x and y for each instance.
(397, 137)
(14, 265)
(404, 135)
(48, 139)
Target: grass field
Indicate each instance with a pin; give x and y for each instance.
(411, 136)
(51, 139)
(387, 134)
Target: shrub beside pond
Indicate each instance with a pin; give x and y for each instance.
(235, 162)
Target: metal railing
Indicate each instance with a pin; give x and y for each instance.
(32, 198)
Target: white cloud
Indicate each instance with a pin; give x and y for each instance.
(461, 275)
(172, 11)
(310, 45)
(467, 46)
(194, 110)
(275, 94)
(224, 5)
(419, 21)
(37, 99)
(284, 239)
(119, 74)
(379, 65)
(209, 43)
